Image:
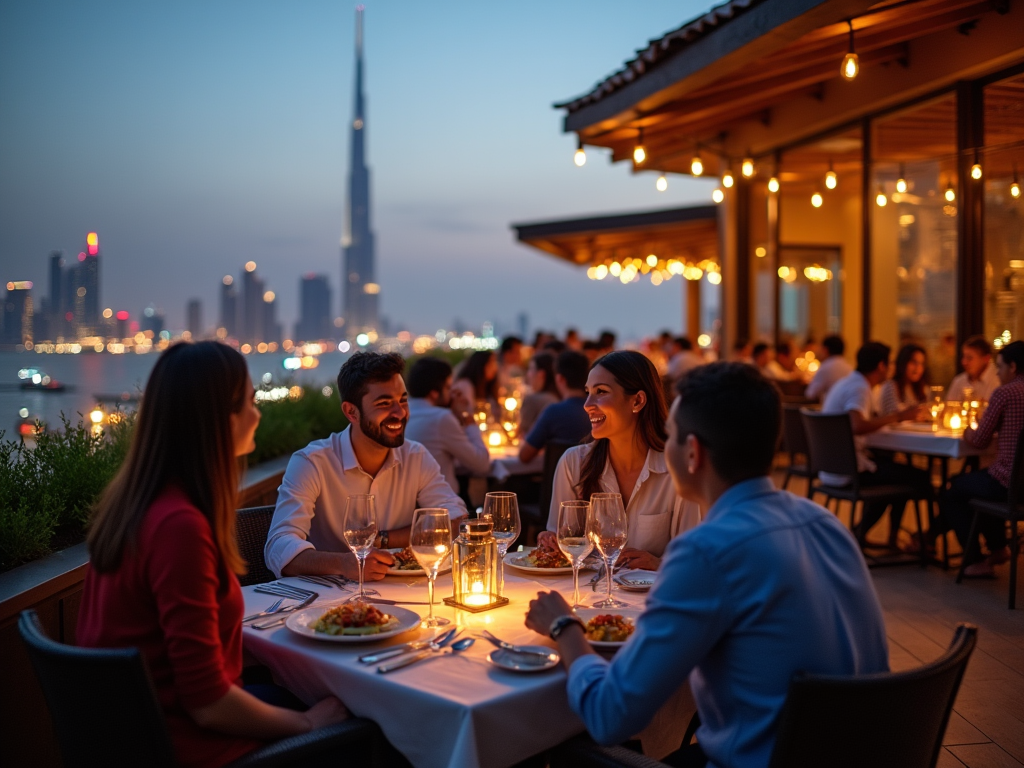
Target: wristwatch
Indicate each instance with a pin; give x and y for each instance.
(558, 625)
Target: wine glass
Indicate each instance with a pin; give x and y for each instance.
(502, 508)
(430, 538)
(607, 527)
(359, 530)
(573, 539)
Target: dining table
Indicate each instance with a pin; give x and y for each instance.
(924, 439)
(457, 710)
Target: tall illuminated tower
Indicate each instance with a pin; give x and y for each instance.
(359, 287)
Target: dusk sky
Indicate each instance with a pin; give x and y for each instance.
(194, 136)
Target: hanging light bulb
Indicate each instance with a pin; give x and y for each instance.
(747, 169)
(661, 184)
(580, 158)
(950, 193)
(976, 168)
(830, 178)
(901, 183)
(817, 200)
(880, 199)
(639, 153)
(773, 184)
(696, 166)
(851, 64)
(727, 180)
(1015, 186)
(718, 195)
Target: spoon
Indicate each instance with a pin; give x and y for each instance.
(460, 645)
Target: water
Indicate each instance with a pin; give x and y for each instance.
(89, 374)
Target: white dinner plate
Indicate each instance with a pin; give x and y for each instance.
(517, 560)
(446, 566)
(635, 581)
(627, 613)
(301, 623)
(520, 662)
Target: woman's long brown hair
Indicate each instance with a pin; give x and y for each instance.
(634, 373)
(182, 437)
(906, 353)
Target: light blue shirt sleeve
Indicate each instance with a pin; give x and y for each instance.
(685, 618)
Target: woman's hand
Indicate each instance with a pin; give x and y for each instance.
(545, 609)
(326, 712)
(547, 540)
(638, 558)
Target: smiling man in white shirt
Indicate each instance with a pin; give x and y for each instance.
(370, 456)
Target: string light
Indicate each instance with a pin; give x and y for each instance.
(639, 153)
(773, 184)
(727, 180)
(696, 166)
(661, 184)
(901, 183)
(816, 200)
(580, 158)
(718, 195)
(976, 168)
(1015, 186)
(747, 169)
(880, 199)
(851, 64)
(950, 193)
(831, 180)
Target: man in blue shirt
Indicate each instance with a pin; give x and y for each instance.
(565, 421)
(766, 586)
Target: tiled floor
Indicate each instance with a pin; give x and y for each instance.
(922, 608)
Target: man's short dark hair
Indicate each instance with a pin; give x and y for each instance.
(363, 369)
(979, 344)
(573, 367)
(606, 340)
(758, 349)
(555, 347)
(684, 343)
(428, 374)
(872, 355)
(783, 348)
(508, 344)
(834, 345)
(735, 413)
(1013, 353)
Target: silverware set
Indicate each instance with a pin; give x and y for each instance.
(331, 581)
(600, 575)
(275, 614)
(511, 648)
(433, 648)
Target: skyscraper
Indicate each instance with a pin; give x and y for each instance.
(359, 288)
(91, 282)
(17, 314)
(228, 308)
(194, 318)
(314, 309)
(252, 314)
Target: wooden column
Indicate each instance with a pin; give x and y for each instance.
(692, 288)
(866, 210)
(742, 258)
(970, 272)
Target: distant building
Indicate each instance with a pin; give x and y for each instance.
(314, 309)
(229, 307)
(271, 330)
(17, 314)
(90, 268)
(152, 320)
(252, 311)
(194, 318)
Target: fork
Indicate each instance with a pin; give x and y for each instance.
(277, 617)
(272, 609)
(284, 590)
(511, 647)
(601, 572)
(324, 581)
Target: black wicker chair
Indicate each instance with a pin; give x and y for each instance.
(252, 526)
(105, 712)
(1011, 510)
(794, 442)
(886, 720)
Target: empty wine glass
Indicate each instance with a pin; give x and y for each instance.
(607, 527)
(430, 539)
(573, 539)
(359, 530)
(502, 508)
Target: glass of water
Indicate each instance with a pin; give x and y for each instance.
(573, 539)
(502, 509)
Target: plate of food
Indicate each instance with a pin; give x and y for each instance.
(539, 561)
(352, 622)
(609, 628)
(635, 581)
(406, 564)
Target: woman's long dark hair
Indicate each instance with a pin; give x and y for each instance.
(473, 369)
(634, 373)
(182, 437)
(545, 361)
(903, 358)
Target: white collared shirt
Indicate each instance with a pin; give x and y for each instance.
(437, 430)
(832, 369)
(319, 479)
(656, 514)
(983, 388)
(852, 393)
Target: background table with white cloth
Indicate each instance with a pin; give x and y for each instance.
(450, 711)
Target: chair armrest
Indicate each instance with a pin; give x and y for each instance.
(582, 750)
(357, 737)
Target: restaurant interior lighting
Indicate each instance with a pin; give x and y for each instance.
(901, 183)
(950, 194)
(760, 251)
(714, 278)
(851, 64)
(773, 184)
(831, 180)
(880, 199)
(615, 269)
(250, 266)
(656, 278)
(976, 170)
(601, 272)
(747, 169)
(696, 166)
(1015, 188)
(817, 200)
(652, 260)
(662, 183)
(639, 153)
(717, 195)
(580, 156)
(728, 180)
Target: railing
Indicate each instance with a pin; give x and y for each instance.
(52, 586)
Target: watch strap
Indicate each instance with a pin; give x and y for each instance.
(558, 625)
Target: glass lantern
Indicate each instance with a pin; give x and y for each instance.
(475, 568)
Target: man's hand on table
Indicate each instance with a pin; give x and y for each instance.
(547, 607)
(547, 540)
(312, 562)
(638, 558)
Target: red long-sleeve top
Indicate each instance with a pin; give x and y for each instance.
(175, 600)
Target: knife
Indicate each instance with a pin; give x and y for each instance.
(398, 650)
(410, 657)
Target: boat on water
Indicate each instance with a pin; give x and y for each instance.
(37, 379)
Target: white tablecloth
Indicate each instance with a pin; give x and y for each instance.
(943, 443)
(454, 711)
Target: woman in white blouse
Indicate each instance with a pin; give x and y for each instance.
(627, 413)
(908, 386)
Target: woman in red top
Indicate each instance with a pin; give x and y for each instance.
(164, 559)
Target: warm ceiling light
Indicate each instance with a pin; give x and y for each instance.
(880, 199)
(950, 194)
(1015, 189)
(661, 184)
(639, 153)
(718, 195)
(851, 64)
(250, 266)
(652, 260)
(816, 200)
(831, 180)
(976, 171)
(747, 169)
(696, 166)
(901, 183)
(580, 157)
(773, 184)
(727, 180)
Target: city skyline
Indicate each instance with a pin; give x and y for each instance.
(191, 165)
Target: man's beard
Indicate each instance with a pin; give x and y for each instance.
(383, 436)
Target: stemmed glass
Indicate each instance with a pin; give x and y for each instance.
(502, 508)
(573, 539)
(430, 538)
(359, 531)
(607, 527)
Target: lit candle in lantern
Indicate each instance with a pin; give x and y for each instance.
(494, 438)
(477, 596)
(954, 422)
